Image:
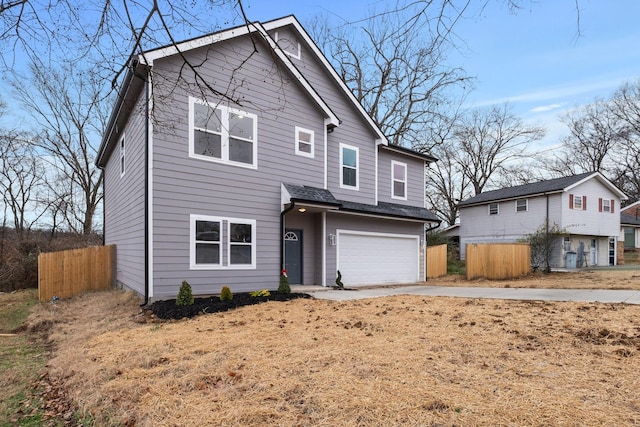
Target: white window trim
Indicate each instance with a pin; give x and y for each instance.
(298, 152)
(575, 205)
(123, 159)
(224, 139)
(526, 205)
(606, 208)
(291, 54)
(394, 180)
(342, 185)
(225, 231)
(497, 208)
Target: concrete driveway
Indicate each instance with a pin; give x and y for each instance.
(577, 295)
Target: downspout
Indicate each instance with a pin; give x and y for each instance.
(282, 214)
(146, 193)
(546, 238)
(426, 233)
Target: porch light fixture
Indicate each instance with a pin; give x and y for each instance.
(332, 239)
(302, 210)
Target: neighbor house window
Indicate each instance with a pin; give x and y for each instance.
(522, 205)
(349, 166)
(578, 202)
(398, 180)
(122, 156)
(605, 205)
(222, 134)
(218, 242)
(493, 209)
(304, 142)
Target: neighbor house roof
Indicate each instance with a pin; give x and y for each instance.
(627, 219)
(632, 209)
(549, 186)
(321, 197)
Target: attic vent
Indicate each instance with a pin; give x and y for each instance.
(288, 44)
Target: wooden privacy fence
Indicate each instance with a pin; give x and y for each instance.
(436, 261)
(68, 273)
(498, 260)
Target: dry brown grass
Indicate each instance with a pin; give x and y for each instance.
(398, 361)
(577, 279)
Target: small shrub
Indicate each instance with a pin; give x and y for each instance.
(185, 295)
(261, 293)
(225, 294)
(284, 287)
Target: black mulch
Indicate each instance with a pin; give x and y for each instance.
(167, 309)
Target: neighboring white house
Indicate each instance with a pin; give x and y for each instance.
(586, 207)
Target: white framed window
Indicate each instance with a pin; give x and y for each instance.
(290, 47)
(522, 205)
(304, 142)
(578, 203)
(606, 205)
(494, 208)
(349, 169)
(122, 156)
(222, 134)
(222, 243)
(398, 180)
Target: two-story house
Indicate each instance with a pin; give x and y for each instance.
(584, 207)
(232, 155)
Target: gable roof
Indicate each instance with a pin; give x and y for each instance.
(409, 152)
(632, 209)
(540, 188)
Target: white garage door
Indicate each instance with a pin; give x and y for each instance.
(375, 258)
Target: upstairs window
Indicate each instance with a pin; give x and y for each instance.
(122, 157)
(605, 205)
(578, 202)
(494, 208)
(304, 142)
(522, 205)
(349, 167)
(222, 134)
(398, 180)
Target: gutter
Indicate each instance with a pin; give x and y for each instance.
(146, 189)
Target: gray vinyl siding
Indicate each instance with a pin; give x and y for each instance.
(415, 179)
(337, 221)
(124, 203)
(184, 185)
(353, 129)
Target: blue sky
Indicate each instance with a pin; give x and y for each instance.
(541, 59)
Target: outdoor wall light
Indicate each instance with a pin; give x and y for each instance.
(332, 239)
(302, 210)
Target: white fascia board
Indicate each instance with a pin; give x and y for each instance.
(149, 57)
(291, 20)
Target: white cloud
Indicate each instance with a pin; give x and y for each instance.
(545, 108)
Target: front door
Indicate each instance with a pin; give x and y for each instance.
(593, 252)
(293, 255)
(612, 251)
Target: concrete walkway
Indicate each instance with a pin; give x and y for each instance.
(577, 295)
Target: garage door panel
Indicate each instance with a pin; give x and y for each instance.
(369, 259)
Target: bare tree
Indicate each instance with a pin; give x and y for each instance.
(487, 140)
(70, 107)
(394, 62)
(21, 178)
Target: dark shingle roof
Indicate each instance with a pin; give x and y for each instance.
(541, 187)
(304, 193)
(627, 219)
(307, 194)
(391, 210)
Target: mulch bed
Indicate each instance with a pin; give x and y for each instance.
(167, 309)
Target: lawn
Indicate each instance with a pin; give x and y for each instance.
(404, 361)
